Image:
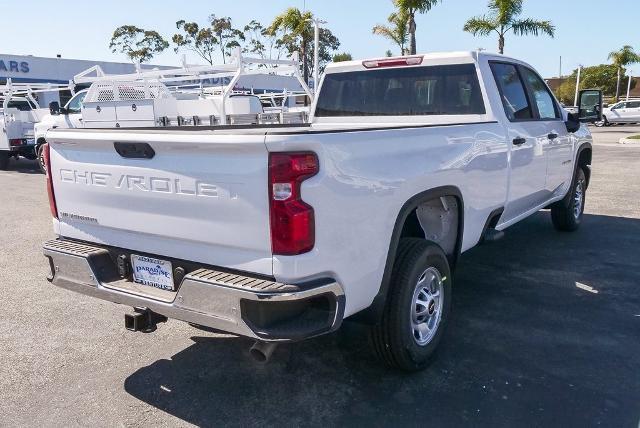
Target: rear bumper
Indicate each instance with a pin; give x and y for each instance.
(239, 304)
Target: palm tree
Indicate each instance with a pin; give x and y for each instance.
(410, 8)
(621, 58)
(504, 18)
(297, 25)
(397, 31)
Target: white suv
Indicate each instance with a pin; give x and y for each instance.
(622, 112)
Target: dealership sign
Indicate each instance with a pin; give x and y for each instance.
(14, 66)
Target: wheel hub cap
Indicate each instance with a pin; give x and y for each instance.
(578, 199)
(426, 310)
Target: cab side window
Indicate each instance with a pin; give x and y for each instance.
(541, 96)
(75, 104)
(512, 91)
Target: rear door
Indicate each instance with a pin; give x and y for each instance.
(199, 195)
(528, 165)
(551, 131)
(633, 111)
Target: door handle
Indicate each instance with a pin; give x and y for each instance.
(552, 136)
(519, 141)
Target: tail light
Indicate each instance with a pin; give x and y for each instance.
(13, 142)
(292, 220)
(52, 196)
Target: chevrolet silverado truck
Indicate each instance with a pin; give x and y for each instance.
(280, 232)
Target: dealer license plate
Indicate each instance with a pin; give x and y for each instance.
(154, 272)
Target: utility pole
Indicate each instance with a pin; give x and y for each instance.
(316, 51)
(575, 102)
(560, 71)
(629, 84)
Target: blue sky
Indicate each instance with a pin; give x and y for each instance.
(586, 29)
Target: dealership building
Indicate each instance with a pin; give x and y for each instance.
(34, 69)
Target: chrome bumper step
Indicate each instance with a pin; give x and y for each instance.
(230, 302)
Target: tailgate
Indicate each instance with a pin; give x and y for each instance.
(201, 197)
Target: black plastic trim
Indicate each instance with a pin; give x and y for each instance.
(286, 126)
(380, 128)
(490, 223)
(134, 150)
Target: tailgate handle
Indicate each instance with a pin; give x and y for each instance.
(134, 150)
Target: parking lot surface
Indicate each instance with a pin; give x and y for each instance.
(545, 331)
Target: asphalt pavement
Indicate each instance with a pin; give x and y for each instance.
(545, 331)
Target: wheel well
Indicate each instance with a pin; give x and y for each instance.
(584, 162)
(437, 215)
(435, 220)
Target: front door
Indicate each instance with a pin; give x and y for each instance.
(74, 111)
(528, 164)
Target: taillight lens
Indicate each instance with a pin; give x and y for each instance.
(14, 142)
(52, 197)
(292, 220)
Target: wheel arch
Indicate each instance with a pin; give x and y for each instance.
(584, 157)
(373, 313)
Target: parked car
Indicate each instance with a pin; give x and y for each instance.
(622, 112)
(280, 232)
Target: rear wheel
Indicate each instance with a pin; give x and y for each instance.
(417, 306)
(4, 160)
(40, 156)
(603, 122)
(566, 215)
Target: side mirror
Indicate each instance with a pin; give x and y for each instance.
(54, 108)
(590, 106)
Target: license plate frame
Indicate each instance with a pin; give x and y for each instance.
(152, 272)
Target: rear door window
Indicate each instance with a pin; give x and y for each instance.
(541, 95)
(512, 91)
(415, 91)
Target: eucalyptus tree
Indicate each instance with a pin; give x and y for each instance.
(504, 16)
(137, 43)
(218, 35)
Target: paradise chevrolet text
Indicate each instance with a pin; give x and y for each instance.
(280, 232)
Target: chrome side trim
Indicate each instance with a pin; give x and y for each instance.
(205, 297)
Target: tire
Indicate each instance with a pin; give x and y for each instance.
(4, 160)
(566, 215)
(397, 339)
(603, 122)
(40, 157)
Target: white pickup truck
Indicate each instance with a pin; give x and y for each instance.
(280, 232)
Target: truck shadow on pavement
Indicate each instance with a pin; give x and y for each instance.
(545, 331)
(24, 166)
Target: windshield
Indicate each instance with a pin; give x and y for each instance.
(21, 104)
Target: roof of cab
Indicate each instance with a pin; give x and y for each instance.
(432, 57)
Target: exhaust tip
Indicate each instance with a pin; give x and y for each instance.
(262, 351)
